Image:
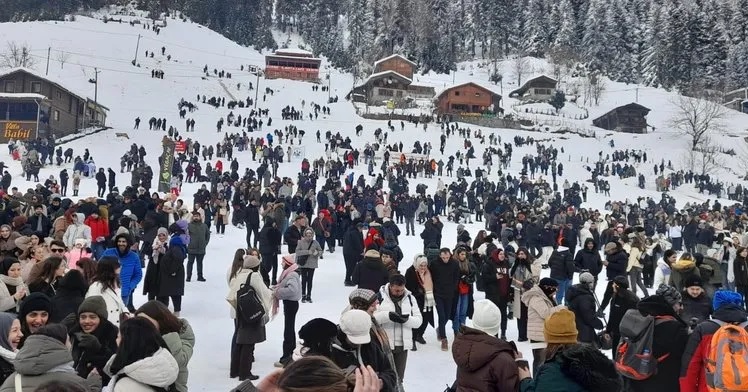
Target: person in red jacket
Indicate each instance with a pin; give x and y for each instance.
(99, 233)
(373, 239)
(728, 308)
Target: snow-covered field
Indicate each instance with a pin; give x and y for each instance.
(131, 92)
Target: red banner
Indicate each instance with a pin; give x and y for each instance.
(180, 147)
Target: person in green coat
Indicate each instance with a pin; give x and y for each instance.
(570, 366)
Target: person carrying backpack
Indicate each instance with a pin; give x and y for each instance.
(700, 350)
(657, 330)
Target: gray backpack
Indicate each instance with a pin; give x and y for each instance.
(635, 358)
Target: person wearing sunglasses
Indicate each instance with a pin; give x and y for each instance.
(540, 300)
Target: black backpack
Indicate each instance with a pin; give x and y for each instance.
(248, 304)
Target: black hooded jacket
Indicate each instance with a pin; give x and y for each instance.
(589, 260)
(582, 302)
(577, 368)
(669, 341)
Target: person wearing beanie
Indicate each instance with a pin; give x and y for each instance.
(588, 259)
(568, 365)
(355, 347)
(668, 340)
(484, 362)
(34, 313)
(308, 253)
(287, 290)
(93, 338)
(131, 272)
(697, 305)
(581, 300)
(246, 336)
(317, 337)
(419, 282)
(398, 315)
(370, 273)
(728, 309)
(44, 358)
(622, 300)
(540, 300)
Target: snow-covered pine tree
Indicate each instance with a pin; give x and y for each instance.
(737, 66)
(594, 43)
(360, 35)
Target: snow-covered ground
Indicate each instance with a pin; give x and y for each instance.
(131, 92)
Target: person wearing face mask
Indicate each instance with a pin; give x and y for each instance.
(33, 313)
(12, 288)
(10, 336)
(581, 300)
(93, 338)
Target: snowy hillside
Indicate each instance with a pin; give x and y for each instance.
(130, 92)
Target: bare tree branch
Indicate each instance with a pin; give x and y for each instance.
(17, 55)
(697, 118)
(62, 57)
(520, 65)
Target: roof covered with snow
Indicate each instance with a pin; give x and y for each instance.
(22, 96)
(59, 82)
(295, 52)
(542, 78)
(380, 75)
(485, 86)
(390, 57)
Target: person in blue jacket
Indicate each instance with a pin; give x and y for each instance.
(131, 272)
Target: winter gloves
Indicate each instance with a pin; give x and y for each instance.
(399, 318)
(89, 342)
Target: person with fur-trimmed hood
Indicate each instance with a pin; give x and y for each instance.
(570, 366)
(728, 309)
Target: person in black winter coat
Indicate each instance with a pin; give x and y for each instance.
(697, 305)
(353, 250)
(270, 242)
(391, 246)
(71, 289)
(616, 261)
(562, 270)
(497, 282)
(581, 301)
(669, 341)
(252, 221)
(588, 259)
(101, 182)
(445, 274)
(623, 300)
(370, 273)
(432, 232)
(345, 354)
(294, 233)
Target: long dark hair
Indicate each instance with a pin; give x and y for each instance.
(139, 340)
(236, 265)
(48, 271)
(167, 321)
(106, 273)
(88, 267)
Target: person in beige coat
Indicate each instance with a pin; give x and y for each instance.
(636, 250)
(541, 303)
(247, 336)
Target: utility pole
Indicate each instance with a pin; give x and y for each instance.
(257, 87)
(637, 94)
(137, 48)
(95, 82)
(329, 82)
(49, 51)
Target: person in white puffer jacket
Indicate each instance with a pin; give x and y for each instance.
(142, 361)
(398, 314)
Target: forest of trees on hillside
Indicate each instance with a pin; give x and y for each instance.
(689, 45)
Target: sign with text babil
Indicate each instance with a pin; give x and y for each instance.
(167, 162)
(17, 130)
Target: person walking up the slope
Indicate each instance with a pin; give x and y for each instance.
(199, 237)
(562, 269)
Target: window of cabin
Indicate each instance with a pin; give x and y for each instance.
(59, 94)
(56, 115)
(457, 93)
(36, 87)
(10, 86)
